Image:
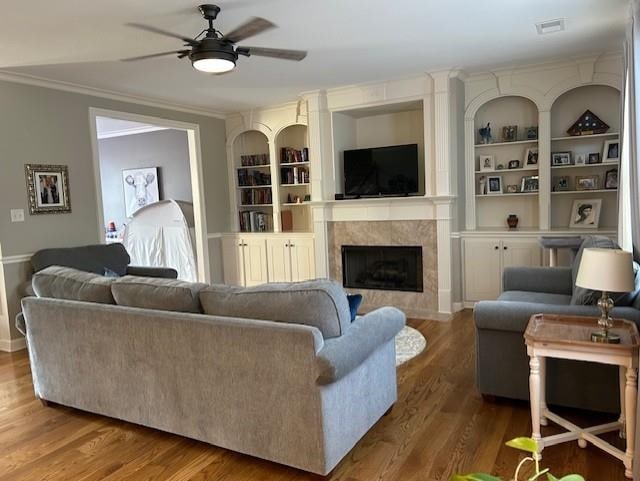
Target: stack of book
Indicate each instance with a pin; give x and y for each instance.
(255, 196)
(254, 221)
(289, 155)
(257, 159)
(294, 175)
(249, 178)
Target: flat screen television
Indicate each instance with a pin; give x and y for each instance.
(378, 171)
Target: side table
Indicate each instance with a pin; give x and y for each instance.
(568, 337)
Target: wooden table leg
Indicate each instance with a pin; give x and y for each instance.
(622, 382)
(631, 393)
(534, 391)
(543, 390)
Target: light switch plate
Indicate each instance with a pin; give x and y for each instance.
(17, 215)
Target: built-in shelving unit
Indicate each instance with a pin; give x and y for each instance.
(604, 102)
(500, 113)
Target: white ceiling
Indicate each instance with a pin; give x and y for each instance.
(349, 41)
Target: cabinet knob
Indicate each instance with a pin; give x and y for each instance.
(505, 247)
(291, 245)
(496, 247)
(240, 245)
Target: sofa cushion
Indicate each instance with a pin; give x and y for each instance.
(320, 303)
(157, 293)
(535, 297)
(582, 296)
(92, 258)
(68, 283)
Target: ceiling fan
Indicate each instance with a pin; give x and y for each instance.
(215, 52)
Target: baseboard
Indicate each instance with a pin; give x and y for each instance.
(469, 305)
(13, 345)
(457, 306)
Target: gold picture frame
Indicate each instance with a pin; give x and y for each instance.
(48, 189)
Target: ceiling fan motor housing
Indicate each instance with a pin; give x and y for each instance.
(213, 48)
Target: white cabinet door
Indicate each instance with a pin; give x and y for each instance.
(279, 260)
(255, 261)
(303, 265)
(521, 253)
(482, 271)
(232, 262)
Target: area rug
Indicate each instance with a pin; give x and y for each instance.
(409, 343)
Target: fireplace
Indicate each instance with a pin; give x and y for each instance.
(392, 268)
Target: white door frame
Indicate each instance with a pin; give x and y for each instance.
(197, 177)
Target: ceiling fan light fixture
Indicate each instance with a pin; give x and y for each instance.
(213, 65)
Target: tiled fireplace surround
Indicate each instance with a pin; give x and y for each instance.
(390, 233)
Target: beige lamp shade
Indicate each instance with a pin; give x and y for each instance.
(608, 270)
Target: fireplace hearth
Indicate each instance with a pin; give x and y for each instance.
(393, 268)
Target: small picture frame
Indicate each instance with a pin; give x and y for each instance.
(581, 159)
(531, 156)
(48, 189)
(611, 179)
(611, 151)
(509, 133)
(594, 158)
(512, 189)
(529, 183)
(561, 158)
(487, 163)
(587, 182)
(561, 183)
(494, 184)
(585, 213)
(514, 164)
(531, 132)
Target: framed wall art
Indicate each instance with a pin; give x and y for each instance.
(48, 189)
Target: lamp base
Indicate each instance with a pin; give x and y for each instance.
(605, 337)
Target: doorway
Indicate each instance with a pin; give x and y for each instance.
(143, 165)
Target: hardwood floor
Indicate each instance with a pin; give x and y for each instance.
(439, 426)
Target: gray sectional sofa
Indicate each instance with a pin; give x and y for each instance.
(276, 371)
(502, 364)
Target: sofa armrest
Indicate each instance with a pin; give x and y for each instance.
(141, 271)
(554, 280)
(341, 355)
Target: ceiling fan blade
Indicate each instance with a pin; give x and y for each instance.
(181, 54)
(252, 27)
(159, 31)
(280, 53)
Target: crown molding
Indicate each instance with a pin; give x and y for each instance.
(106, 94)
(132, 131)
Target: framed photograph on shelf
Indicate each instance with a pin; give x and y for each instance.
(585, 213)
(531, 156)
(561, 158)
(611, 179)
(581, 159)
(512, 189)
(611, 151)
(487, 163)
(510, 133)
(514, 164)
(531, 132)
(48, 189)
(561, 183)
(494, 184)
(529, 183)
(587, 182)
(594, 158)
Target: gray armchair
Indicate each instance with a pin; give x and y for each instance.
(502, 364)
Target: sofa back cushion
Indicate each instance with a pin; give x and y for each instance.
(94, 258)
(320, 303)
(157, 293)
(582, 296)
(68, 283)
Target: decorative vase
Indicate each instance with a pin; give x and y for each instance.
(512, 221)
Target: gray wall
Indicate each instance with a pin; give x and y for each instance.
(166, 149)
(41, 125)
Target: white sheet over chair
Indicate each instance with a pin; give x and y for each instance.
(158, 235)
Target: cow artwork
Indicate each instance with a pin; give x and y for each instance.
(140, 188)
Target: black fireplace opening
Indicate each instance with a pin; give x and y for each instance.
(393, 268)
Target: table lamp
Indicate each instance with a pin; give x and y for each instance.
(606, 270)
